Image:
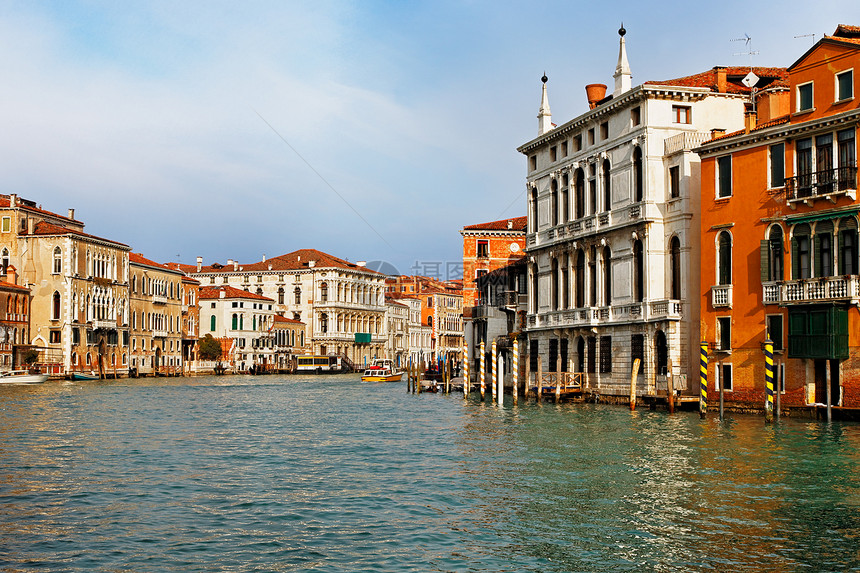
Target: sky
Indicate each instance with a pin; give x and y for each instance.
(369, 130)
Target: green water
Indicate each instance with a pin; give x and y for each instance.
(330, 474)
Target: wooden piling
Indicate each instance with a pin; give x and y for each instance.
(528, 377)
(500, 380)
(829, 397)
(722, 391)
(465, 371)
(558, 378)
(670, 388)
(494, 374)
(516, 372)
(779, 383)
(483, 366)
(633, 376)
(538, 380)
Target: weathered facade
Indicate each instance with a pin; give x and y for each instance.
(779, 237)
(14, 319)
(245, 320)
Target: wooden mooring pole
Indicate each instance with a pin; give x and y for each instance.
(633, 376)
(538, 379)
(516, 372)
(465, 371)
(703, 379)
(779, 383)
(670, 388)
(483, 366)
(494, 372)
(768, 380)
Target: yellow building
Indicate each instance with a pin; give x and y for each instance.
(155, 293)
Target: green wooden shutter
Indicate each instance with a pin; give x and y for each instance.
(795, 260)
(764, 250)
(816, 253)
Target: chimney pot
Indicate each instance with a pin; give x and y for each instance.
(71, 214)
(13, 199)
(235, 265)
(720, 76)
(750, 117)
(199, 263)
(595, 93)
(717, 131)
(31, 226)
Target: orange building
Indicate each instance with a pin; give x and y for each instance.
(487, 247)
(779, 237)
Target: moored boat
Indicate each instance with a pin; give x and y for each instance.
(84, 376)
(21, 377)
(381, 370)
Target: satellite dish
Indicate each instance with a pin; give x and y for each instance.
(750, 80)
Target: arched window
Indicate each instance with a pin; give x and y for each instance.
(298, 293)
(638, 183)
(638, 271)
(607, 276)
(592, 275)
(134, 283)
(55, 306)
(4, 259)
(675, 264)
(580, 354)
(553, 194)
(580, 278)
(565, 203)
(533, 210)
(607, 188)
(662, 352)
(212, 324)
(554, 285)
(565, 282)
(823, 249)
(772, 255)
(58, 261)
(579, 193)
(801, 252)
(280, 295)
(324, 292)
(429, 321)
(724, 258)
(235, 323)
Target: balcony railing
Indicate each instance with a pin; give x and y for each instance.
(159, 299)
(106, 323)
(668, 309)
(842, 288)
(821, 183)
(510, 299)
(721, 296)
(159, 333)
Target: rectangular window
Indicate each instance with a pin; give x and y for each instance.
(592, 351)
(483, 248)
(577, 142)
(804, 97)
(7, 224)
(533, 355)
(724, 176)
(636, 116)
(682, 114)
(76, 336)
(723, 377)
(605, 354)
(553, 355)
(591, 136)
(845, 85)
(675, 181)
(553, 153)
(533, 163)
(564, 149)
(724, 333)
(774, 330)
(777, 165)
(54, 337)
(637, 350)
(604, 130)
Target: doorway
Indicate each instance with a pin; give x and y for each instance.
(821, 383)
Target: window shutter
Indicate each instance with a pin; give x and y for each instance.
(795, 260)
(764, 251)
(816, 253)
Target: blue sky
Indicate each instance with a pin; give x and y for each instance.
(152, 119)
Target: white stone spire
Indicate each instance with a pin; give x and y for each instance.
(623, 77)
(544, 114)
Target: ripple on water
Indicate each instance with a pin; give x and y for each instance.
(328, 474)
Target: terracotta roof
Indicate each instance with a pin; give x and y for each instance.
(297, 260)
(846, 31)
(390, 300)
(230, 292)
(401, 295)
(285, 320)
(187, 279)
(31, 206)
(139, 259)
(843, 39)
(518, 224)
(769, 77)
(771, 123)
(45, 228)
(5, 285)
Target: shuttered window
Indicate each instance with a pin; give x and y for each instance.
(724, 175)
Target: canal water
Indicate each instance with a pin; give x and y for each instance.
(330, 474)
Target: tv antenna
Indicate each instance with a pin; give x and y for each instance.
(807, 36)
(750, 80)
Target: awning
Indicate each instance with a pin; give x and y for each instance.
(821, 215)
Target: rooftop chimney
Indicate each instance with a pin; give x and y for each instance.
(312, 264)
(717, 132)
(31, 226)
(199, 263)
(749, 120)
(361, 263)
(229, 262)
(595, 93)
(71, 214)
(720, 75)
(11, 275)
(13, 199)
(222, 293)
(264, 257)
(235, 265)
(510, 224)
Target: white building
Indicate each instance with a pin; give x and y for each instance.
(341, 303)
(245, 319)
(397, 319)
(613, 226)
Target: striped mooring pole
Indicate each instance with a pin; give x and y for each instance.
(516, 373)
(768, 378)
(494, 374)
(703, 379)
(483, 368)
(465, 371)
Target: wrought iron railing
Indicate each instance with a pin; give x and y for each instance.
(821, 183)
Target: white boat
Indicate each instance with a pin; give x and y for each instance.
(21, 377)
(381, 370)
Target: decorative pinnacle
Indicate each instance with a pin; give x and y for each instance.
(544, 78)
(621, 30)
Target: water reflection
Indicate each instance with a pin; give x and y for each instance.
(269, 473)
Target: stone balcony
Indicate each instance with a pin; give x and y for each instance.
(823, 289)
(594, 224)
(159, 299)
(104, 323)
(721, 296)
(637, 312)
